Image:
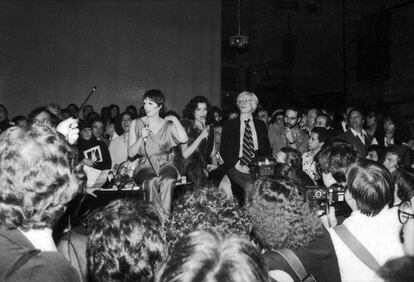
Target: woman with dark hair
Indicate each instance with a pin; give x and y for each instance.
(318, 140)
(152, 138)
(197, 152)
(42, 116)
(113, 111)
(391, 133)
(215, 116)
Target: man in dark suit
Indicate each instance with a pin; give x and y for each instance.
(243, 139)
(356, 135)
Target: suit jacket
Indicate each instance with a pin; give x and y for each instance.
(354, 140)
(230, 142)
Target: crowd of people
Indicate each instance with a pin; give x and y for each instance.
(292, 194)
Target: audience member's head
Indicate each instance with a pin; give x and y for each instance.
(113, 111)
(311, 117)
(132, 110)
(98, 128)
(281, 215)
(42, 116)
(85, 129)
(323, 120)
(277, 117)
(398, 270)
(73, 110)
(404, 185)
(20, 121)
(334, 162)
(319, 138)
(127, 242)
(206, 208)
(392, 157)
(215, 115)
(205, 256)
(370, 187)
(355, 119)
(376, 153)
(39, 176)
(56, 110)
(263, 115)
(292, 116)
(87, 110)
(126, 120)
(104, 113)
(290, 156)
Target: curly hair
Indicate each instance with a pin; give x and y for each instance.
(293, 157)
(205, 256)
(127, 242)
(281, 215)
(191, 107)
(206, 208)
(39, 175)
(53, 119)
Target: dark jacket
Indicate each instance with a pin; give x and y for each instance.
(354, 140)
(230, 142)
(319, 259)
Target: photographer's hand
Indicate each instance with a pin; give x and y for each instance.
(328, 217)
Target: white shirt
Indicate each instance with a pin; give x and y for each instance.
(41, 239)
(254, 134)
(379, 235)
(363, 136)
(118, 149)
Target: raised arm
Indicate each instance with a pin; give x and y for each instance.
(188, 150)
(180, 135)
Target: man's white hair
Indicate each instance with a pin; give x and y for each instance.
(253, 96)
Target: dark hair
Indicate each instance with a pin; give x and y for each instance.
(336, 159)
(132, 110)
(205, 256)
(398, 270)
(329, 122)
(405, 184)
(294, 108)
(355, 110)
(113, 106)
(380, 150)
(127, 242)
(210, 115)
(18, 119)
(157, 97)
(38, 110)
(324, 135)
(190, 108)
(293, 157)
(371, 185)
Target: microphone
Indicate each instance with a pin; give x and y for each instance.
(93, 89)
(146, 126)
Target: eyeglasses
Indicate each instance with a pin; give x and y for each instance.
(244, 101)
(41, 121)
(404, 212)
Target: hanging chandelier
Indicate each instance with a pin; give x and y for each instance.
(239, 41)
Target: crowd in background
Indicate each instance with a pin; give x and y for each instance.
(232, 223)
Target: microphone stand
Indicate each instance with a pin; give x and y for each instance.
(86, 100)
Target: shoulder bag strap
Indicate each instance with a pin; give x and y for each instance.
(294, 262)
(356, 247)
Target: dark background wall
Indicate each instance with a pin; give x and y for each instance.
(56, 51)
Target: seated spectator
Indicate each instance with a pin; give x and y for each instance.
(323, 120)
(398, 270)
(369, 193)
(86, 111)
(92, 152)
(289, 156)
(42, 116)
(205, 256)
(397, 156)
(283, 219)
(319, 139)
(127, 242)
(39, 175)
(20, 121)
(376, 153)
(206, 208)
(118, 148)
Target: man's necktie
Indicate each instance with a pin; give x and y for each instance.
(248, 147)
